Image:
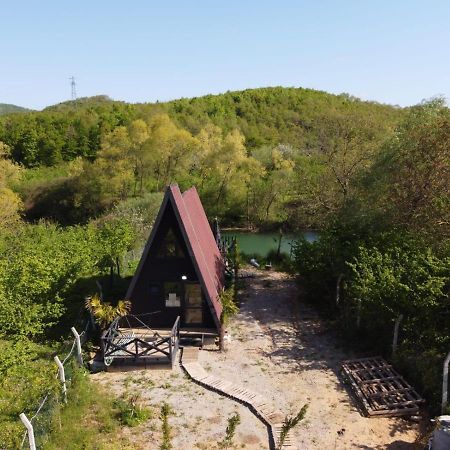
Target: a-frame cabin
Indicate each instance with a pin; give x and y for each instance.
(181, 271)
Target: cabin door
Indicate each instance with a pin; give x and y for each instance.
(193, 304)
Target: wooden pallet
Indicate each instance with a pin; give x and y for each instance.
(381, 390)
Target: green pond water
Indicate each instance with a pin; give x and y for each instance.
(262, 243)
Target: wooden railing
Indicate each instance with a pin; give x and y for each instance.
(118, 343)
(174, 340)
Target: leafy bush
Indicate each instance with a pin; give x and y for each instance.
(24, 382)
(384, 275)
(89, 420)
(105, 313)
(38, 266)
(131, 410)
(320, 264)
(409, 280)
(229, 306)
(41, 265)
(230, 431)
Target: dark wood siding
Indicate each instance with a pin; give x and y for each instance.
(148, 294)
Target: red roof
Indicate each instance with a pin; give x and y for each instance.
(200, 242)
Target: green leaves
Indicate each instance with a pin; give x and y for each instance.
(410, 180)
(289, 423)
(105, 313)
(27, 374)
(115, 237)
(229, 306)
(399, 280)
(40, 264)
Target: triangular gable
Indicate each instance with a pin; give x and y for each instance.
(200, 243)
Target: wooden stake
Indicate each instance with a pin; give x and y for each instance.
(30, 430)
(396, 327)
(78, 341)
(445, 383)
(62, 377)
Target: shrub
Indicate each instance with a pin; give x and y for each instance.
(131, 410)
(230, 431)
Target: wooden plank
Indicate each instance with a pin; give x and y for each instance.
(378, 380)
(380, 388)
(258, 403)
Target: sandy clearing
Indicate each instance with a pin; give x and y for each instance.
(280, 349)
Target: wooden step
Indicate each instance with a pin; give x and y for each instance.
(259, 404)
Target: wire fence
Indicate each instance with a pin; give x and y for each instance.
(42, 418)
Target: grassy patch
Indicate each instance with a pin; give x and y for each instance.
(27, 375)
(90, 420)
(131, 410)
(166, 411)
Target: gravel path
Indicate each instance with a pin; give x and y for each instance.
(280, 349)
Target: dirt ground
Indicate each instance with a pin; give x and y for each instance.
(279, 348)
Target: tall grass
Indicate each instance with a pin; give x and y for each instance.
(90, 420)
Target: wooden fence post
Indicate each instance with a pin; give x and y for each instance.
(62, 377)
(395, 339)
(358, 314)
(30, 430)
(78, 341)
(445, 383)
(338, 288)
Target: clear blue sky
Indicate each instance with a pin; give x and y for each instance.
(392, 51)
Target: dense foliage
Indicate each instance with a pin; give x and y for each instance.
(6, 108)
(42, 266)
(27, 374)
(387, 252)
(259, 157)
(81, 183)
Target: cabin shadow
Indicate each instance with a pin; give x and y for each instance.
(300, 340)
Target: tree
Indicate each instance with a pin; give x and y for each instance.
(411, 179)
(138, 134)
(39, 264)
(10, 203)
(116, 236)
(109, 179)
(223, 169)
(272, 188)
(169, 150)
(10, 208)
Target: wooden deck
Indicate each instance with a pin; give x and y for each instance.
(143, 345)
(261, 407)
(188, 336)
(184, 332)
(381, 390)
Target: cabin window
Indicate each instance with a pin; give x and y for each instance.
(172, 294)
(170, 247)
